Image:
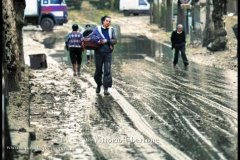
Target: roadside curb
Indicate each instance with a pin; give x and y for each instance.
(18, 117)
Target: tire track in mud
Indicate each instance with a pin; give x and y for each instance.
(180, 112)
(65, 132)
(143, 126)
(107, 117)
(156, 95)
(146, 129)
(218, 106)
(198, 116)
(190, 129)
(204, 139)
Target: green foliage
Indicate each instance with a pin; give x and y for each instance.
(106, 4)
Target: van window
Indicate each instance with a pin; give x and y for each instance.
(56, 1)
(45, 2)
(142, 2)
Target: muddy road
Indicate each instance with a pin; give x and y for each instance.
(154, 111)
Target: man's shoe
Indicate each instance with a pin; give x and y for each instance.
(186, 64)
(106, 92)
(98, 89)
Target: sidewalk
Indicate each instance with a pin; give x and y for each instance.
(58, 110)
(47, 116)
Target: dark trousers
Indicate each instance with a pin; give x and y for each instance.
(76, 55)
(103, 67)
(184, 57)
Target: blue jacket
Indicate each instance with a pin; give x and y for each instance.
(97, 35)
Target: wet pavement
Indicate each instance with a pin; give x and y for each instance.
(194, 108)
(155, 111)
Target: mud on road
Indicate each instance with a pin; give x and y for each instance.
(72, 122)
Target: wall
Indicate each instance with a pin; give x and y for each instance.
(12, 54)
(12, 16)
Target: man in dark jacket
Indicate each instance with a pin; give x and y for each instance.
(103, 55)
(178, 39)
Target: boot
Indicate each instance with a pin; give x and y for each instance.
(74, 70)
(78, 69)
(106, 91)
(98, 89)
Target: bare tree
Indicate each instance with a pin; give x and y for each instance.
(208, 31)
(156, 12)
(19, 7)
(11, 45)
(163, 6)
(12, 49)
(169, 26)
(236, 7)
(215, 33)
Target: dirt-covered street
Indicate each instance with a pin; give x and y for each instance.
(154, 111)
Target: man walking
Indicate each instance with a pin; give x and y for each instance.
(178, 39)
(103, 55)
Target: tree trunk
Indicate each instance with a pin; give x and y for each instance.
(11, 47)
(208, 31)
(156, 12)
(19, 7)
(151, 11)
(6, 133)
(163, 14)
(181, 18)
(116, 4)
(216, 38)
(112, 2)
(169, 25)
(10, 62)
(236, 7)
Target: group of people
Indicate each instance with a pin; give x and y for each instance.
(102, 56)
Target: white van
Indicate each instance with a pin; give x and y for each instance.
(134, 7)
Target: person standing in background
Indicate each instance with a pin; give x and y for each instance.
(178, 39)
